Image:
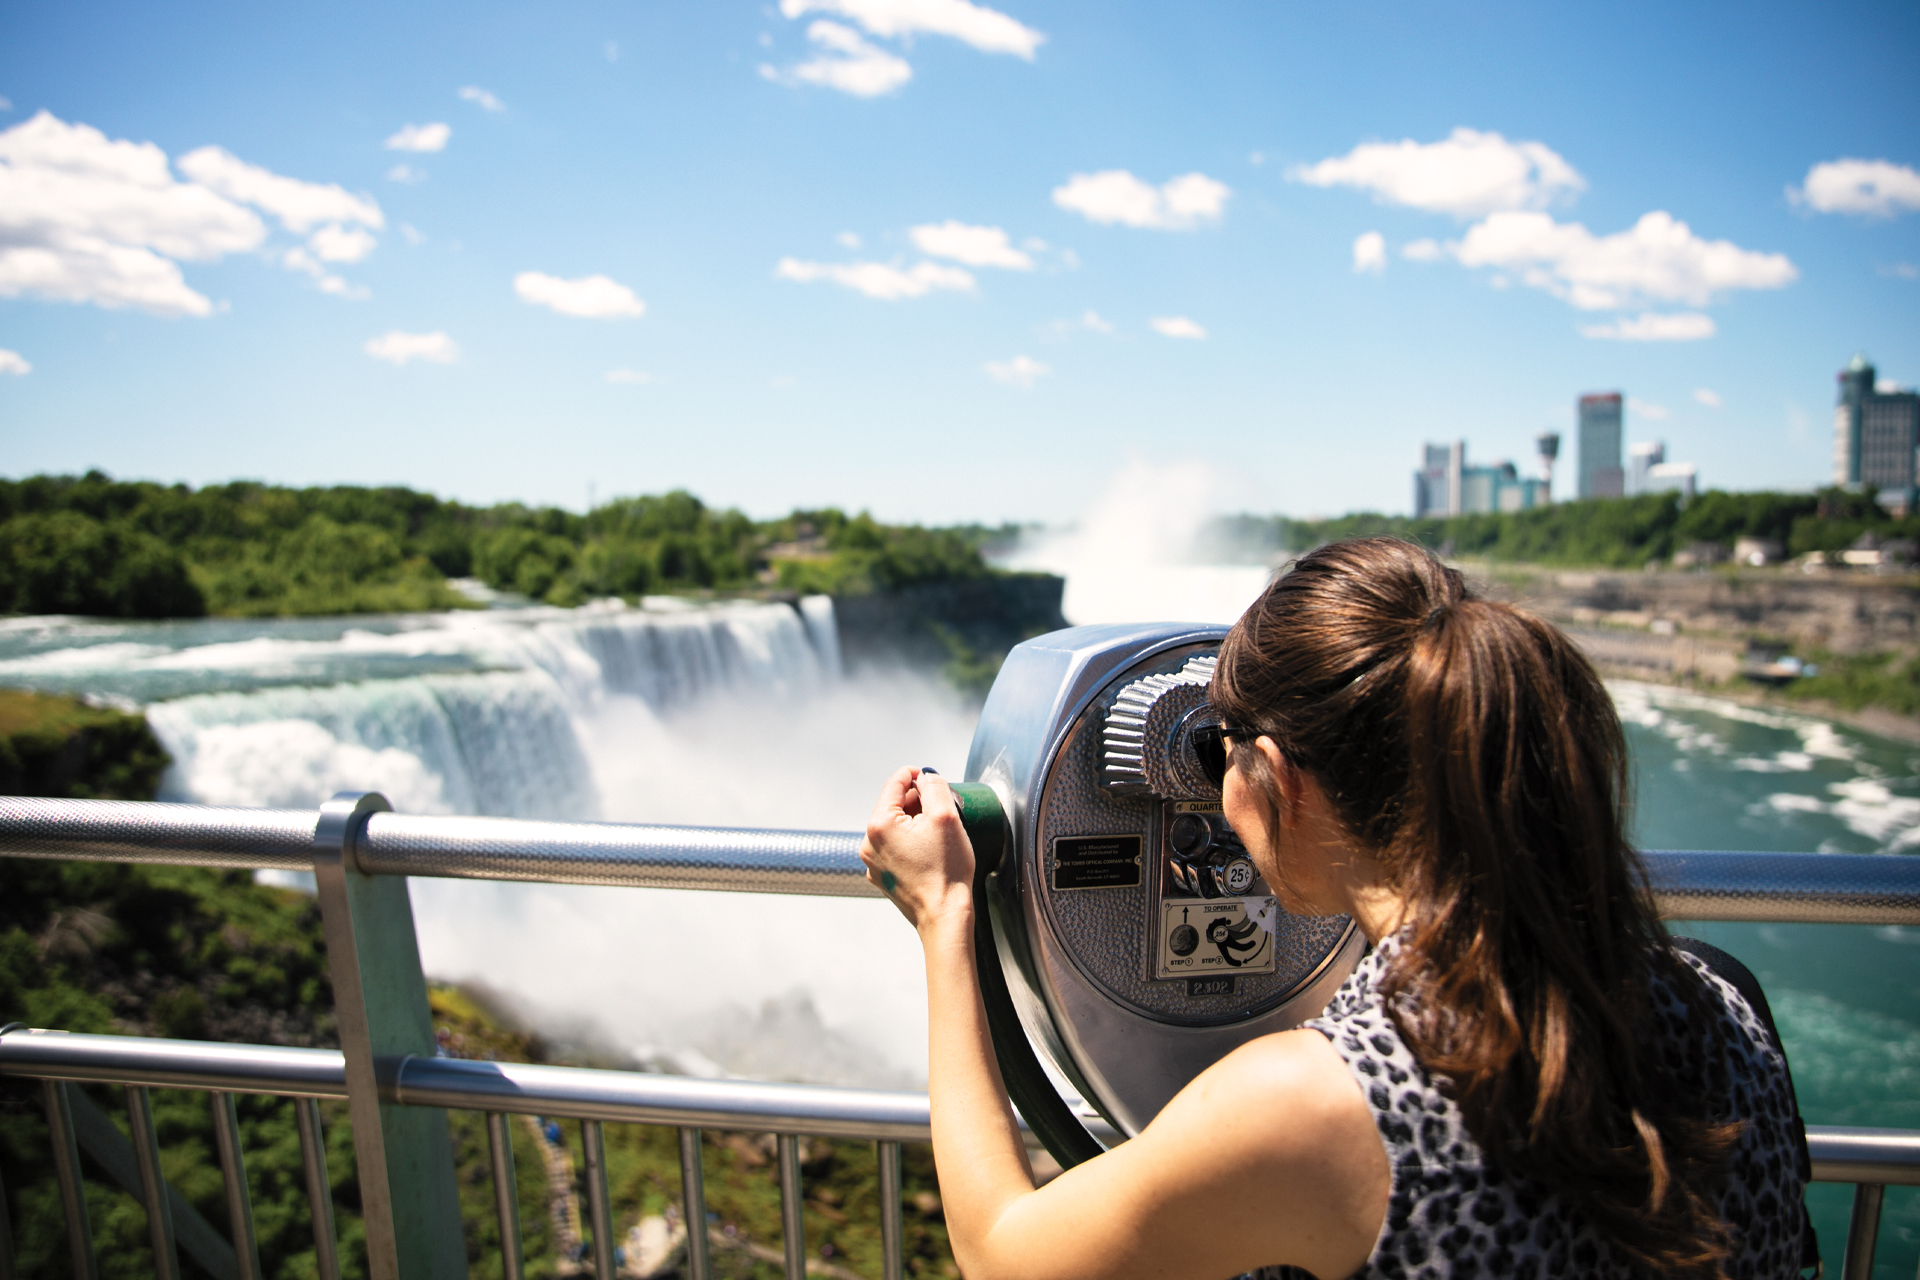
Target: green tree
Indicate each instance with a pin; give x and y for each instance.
(67, 562)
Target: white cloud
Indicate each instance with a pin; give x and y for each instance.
(975, 246)
(1711, 399)
(12, 362)
(398, 348)
(847, 63)
(848, 239)
(1902, 271)
(335, 243)
(421, 137)
(1659, 259)
(1177, 327)
(6, 103)
(878, 279)
(590, 297)
(300, 206)
(1423, 251)
(1650, 326)
(1021, 371)
(612, 50)
(412, 233)
(1877, 188)
(629, 377)
(1647, 409)
(1467, 174)
(1115, 195)
(987, 30)
(1370, 252)
(298, 259)
(1094, 321)
(474, 93)
(87, 219)
(405, 173)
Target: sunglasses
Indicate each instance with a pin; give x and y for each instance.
(1210, 749)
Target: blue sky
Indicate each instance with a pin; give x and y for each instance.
(1092, 234)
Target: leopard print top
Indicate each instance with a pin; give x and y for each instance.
(1451, 1213)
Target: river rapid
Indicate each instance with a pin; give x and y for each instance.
(740, 715)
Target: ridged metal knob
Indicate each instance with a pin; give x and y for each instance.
(1146, 746)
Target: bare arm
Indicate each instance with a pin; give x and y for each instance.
(1269, 1156)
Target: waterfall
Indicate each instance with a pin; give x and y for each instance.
(508, 737)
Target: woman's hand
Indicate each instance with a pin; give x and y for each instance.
(917, 851)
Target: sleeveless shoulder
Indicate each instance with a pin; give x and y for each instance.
(1451, 1212)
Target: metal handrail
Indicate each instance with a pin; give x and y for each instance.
(1782, 887)
(573, 1093)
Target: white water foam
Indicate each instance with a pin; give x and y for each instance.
(732, 715)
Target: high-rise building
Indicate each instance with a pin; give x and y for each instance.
(1648, 471)
(1876, 431)
(1447, 486)
(1601, 475)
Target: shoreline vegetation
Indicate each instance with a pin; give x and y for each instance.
(97, 546)
(92, 545)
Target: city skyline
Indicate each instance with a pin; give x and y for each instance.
(788, 255)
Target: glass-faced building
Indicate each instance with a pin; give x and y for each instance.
(1875, 435)
(1601, 475)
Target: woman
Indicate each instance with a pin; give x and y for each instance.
(1521, 1078)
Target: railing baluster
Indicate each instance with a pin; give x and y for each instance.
(233, 1170)
(1863, 1231)
(73, 1193)
(599, 1211)
(893, 1257)
(153, 1184)
(693, 1203)
(506, 1195)
(793, 1230)
(313, 1156)
(6, 1236)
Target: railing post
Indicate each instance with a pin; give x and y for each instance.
(1863, 1232)
(233, 1171)
(793, 1230)
(153, 1184)
(893, 1256)
(66, 1165)
(693, 1201)
(313, 1155)
(593, 1140)
(409, 1200)
(506, 1194)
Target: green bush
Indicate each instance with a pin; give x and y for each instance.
(522, 559)
(68, 562)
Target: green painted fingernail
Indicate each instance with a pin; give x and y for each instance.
(887, 882)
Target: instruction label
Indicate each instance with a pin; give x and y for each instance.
(1215, 936)
(1096, 862)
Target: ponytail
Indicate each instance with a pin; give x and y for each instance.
(1473, 751)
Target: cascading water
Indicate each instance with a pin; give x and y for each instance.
(730, 714)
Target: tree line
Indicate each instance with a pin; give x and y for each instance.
(95, 545)
(1611, 533)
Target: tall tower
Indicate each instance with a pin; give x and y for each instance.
(1548, 442)
(1601, 475)
(1856, 385)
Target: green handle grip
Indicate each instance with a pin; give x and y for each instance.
(1046, 1113)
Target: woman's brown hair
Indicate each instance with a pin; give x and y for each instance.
(1471, 749)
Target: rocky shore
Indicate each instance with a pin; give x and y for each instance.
(1702, 627)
